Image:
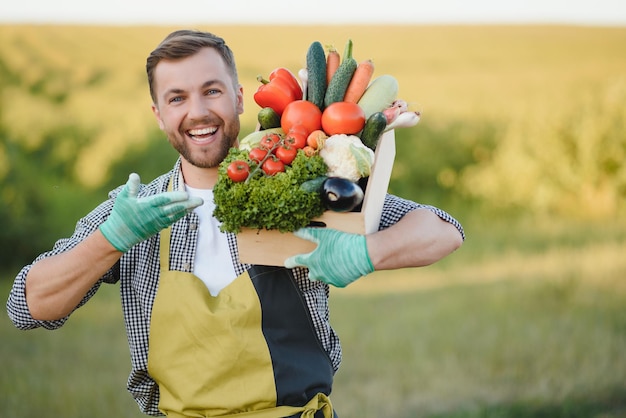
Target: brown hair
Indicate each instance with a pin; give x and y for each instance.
(185, 43)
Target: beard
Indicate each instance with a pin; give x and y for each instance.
(211, 155)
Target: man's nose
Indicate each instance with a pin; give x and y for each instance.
(198, 108)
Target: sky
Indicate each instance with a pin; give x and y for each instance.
(134, 12)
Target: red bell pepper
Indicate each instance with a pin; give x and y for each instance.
(281, 89)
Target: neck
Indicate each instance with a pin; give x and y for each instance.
(198, 178)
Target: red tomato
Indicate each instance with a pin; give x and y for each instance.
(301, 113)
(343, 118)
(269, 141)
(299, 129)
(272, 166)
(238, 170)
(286, 154)
(296, 139)
(257, 154)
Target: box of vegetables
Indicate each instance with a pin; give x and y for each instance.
(321, 156)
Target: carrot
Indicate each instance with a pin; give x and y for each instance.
(359, 82)
(332, 63)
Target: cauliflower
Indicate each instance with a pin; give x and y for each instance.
(346, 156)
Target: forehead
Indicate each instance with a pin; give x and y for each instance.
(182, 74)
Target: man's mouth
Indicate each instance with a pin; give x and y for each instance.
(201, 134)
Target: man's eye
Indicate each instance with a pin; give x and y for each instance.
(175, 99)
(213, 92)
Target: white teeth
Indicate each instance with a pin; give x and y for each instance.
(205, 131)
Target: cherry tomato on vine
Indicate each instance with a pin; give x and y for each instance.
(273, 166)
(257, 154)
(269, 141)
(286, 154)
(238, 170)
(296, 139)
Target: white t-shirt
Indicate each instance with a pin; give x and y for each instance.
(213, 263)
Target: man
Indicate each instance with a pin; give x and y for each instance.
(208, 335)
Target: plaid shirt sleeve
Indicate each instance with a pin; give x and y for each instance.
(17, 307)
(394, 208)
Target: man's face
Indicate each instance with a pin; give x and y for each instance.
(198, 106)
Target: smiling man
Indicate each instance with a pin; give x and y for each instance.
(196, 101)
(208, 335)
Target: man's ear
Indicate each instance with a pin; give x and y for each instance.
(157, 115)
(240, 100)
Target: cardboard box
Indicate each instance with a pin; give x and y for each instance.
(272, 247)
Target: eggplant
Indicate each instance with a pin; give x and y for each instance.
(341, 195)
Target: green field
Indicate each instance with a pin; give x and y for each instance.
(527, 319)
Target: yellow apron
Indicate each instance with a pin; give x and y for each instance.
(249, 352)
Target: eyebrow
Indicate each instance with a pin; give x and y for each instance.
(206, 84)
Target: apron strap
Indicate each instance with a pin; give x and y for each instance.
(319, 402)
(165, 236)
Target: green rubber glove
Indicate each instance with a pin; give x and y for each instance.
(133, 219)
(339, 258)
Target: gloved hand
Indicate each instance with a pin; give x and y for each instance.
(133, 219)
(339, 258)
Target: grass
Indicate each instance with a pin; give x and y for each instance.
(79, 370)
(518, 333)
(481, 347)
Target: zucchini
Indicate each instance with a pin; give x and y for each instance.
(268, 118)
(379, 95)
(338, 85)
(316, 77)
(373, 129)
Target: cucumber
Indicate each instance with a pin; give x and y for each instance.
(316, 77)
(373, 129)
(314, 185)
(338, 85)
(381, 93)
(268, 118)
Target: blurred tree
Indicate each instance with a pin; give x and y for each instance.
(565, 162)
(149, 158)
(431, 157)
(40, 199)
